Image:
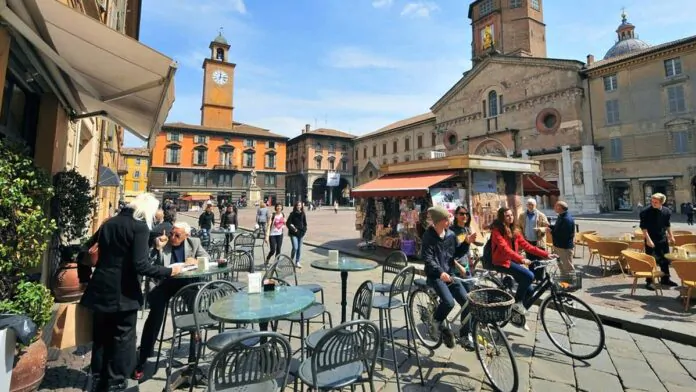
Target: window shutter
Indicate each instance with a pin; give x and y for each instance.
(169, 136)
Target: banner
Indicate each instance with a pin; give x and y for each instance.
(333, 178)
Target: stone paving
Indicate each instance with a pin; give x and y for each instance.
(630, 361)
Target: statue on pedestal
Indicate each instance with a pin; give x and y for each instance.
(252, 178)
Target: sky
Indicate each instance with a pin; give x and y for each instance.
(358, 65)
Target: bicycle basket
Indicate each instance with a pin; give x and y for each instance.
(569, 281)
(490, 305)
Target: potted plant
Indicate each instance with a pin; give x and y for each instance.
(71, 206)
(25, 230)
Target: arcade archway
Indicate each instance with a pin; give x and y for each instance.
(328, 195)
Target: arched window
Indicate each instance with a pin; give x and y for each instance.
(220, 54)
(200, 156)
(492, 104)
(332, 163)
(318, 162)
(270, 161)
(173, 154)
(249, 159)
(226, 155)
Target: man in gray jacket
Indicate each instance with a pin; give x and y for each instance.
(179, 247)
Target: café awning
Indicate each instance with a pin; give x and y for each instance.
(104, 72)
(108, 178)
(402, 185)
(534, 185)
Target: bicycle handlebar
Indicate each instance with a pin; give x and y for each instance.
(545, 263)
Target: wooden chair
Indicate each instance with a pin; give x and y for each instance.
(638, 232)
(691, 248)
(682, 232)
(591, 243)
(580, 241)
(686, 270)
(609, 252)
(680, 240)
(642, 266)
(636, 245)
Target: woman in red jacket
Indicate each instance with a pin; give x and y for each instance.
(506, 243)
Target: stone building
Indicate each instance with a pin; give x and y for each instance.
(643, 105)
(320, 166)
(514, 102)
(220, 158)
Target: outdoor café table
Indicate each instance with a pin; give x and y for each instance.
(203, 274)
(345, 265)
(675, 256)
(245, 308)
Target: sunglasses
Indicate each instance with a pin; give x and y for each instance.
(463, 213)
(176, 235)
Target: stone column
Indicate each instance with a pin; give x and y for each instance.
(567, 173)
(589, 170)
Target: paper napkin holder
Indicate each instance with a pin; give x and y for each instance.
(255, 283)
(333, 257)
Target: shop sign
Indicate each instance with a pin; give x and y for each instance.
(333, 178)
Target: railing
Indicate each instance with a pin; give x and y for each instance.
(225, 167)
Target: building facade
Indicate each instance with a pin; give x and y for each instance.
(320, 166)
(643, 104)
(514, 102)
(137, 166)
(220, 157)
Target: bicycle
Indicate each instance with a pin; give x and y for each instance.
(562, 323)
(489, 340)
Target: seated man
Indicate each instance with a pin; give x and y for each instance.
(437, 252)
(179, 247)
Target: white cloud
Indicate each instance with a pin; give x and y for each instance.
(354, 57)
(382, 3)
(419, 9)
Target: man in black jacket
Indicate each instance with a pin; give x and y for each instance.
(657, 231)
(563, 236)
(206, 220)
(437, 251)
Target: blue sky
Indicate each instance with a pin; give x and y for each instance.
(358, 65)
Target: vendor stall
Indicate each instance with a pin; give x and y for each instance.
(392, 210)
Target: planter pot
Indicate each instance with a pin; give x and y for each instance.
(66, 283)
(7, 353)
(30, 367)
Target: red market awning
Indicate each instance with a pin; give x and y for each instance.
(534, 185)
(401, 185)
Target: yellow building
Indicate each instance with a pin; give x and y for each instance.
(137, 164)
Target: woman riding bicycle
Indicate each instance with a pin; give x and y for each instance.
(464, 237)
(506, 243)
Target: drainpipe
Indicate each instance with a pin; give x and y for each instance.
(97, 188)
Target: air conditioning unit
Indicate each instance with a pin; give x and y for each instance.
(437, 154)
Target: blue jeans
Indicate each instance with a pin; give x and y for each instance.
(448, 293)
(296, 248)
(524, 278)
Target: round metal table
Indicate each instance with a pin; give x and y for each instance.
(262, 307)
(344, 265)
(211, 270)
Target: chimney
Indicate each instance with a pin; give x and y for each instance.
(306, 128)
(590, 59)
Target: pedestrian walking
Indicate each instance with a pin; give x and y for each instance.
(297, 228)
(690, 209)
(657, 231)
(262, 217)
(335, 207)
(207, 219)
(274, 235)
(533, 224)
(563, 237)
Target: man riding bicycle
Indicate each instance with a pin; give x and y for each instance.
(506, 243)
(437, 251)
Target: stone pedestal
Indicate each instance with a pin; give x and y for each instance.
(254, 195)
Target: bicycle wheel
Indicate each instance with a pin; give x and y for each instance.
(422, 305)
(495, 355)
(580, 339)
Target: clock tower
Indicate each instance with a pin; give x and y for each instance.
(218, 86)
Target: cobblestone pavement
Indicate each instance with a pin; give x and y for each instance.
(630, 362)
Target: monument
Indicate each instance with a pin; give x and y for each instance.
(254, 190)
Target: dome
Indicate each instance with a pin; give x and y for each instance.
(626, 46)
(220, 39)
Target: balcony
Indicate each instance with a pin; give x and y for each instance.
(226, 167)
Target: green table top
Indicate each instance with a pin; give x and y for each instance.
(211, 270)
(243, 307)
(345, 264)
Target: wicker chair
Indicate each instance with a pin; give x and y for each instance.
(682, 232)
(686, 270)
(591, 243)
(580, 241)
(610, 252)
(680, 240)
(642, 266)
(691, 248)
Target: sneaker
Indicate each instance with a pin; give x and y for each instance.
(298, 266)
(467, 342)
(519, 308)
(138, 374)
(448, 337)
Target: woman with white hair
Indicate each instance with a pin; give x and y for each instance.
(113, 294)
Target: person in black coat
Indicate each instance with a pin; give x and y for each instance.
(297, 227)
(113, 294)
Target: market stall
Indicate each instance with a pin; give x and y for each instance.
(392, 209)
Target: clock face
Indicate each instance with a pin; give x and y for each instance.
(220, 77)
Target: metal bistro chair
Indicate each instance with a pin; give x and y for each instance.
(206, 296)
(342, 356)
(284, 268)
(239, 365)
(246, 242)
(260, 241)
(241, 261)
(397, 298)
(395, 262)
(362, 310)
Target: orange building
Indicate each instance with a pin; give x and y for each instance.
(221, 158)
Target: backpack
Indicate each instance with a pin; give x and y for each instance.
(487, 257)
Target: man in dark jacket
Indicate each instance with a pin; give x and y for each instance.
(437, 252)
(207, 219)
(563, 235)
(657, 231)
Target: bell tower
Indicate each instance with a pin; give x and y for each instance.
(511, 27)
(218, 86)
